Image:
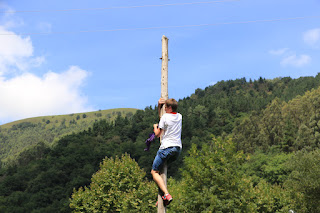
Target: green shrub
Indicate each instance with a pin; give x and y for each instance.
(305, 178)
(210, 181)
(119, 186)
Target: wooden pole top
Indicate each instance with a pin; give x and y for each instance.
(164, 68)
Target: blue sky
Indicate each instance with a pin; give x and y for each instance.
(48, 66)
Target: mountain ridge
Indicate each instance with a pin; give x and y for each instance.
(18, 135)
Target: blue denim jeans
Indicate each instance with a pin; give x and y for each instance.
(165, 155)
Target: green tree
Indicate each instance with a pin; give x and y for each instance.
(272, 124)
(119, 186)
(270, 167)
(246, 133)
(268, 198)
(210, 180)
(305, 178)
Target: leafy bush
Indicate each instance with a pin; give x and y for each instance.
(270, 167)
(267, 198)
(119, 186)
(305, 178)
(210, 180)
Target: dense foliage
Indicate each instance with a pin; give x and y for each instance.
(212, 182)
(305, 179)
(19, 136)
(246, 148)
(288, 126)
(218, 186)
(119, 186)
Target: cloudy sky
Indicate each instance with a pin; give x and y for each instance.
(60, 57)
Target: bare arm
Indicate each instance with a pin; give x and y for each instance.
(157, 131)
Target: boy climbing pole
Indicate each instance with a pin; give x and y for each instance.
(169, 128)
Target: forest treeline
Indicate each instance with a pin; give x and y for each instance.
(15, 137)
(248, 146)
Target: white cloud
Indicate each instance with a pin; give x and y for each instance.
(9, 20)
(28, 95)
(44, 27)
(290, 58)
(296, 61)
(14, 50)
(312, 37)
(279, 51)
(25, 94)
(38, 61)
(212, 83)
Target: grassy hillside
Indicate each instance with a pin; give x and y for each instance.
(17, 136)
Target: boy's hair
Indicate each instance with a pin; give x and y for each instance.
(172, 103)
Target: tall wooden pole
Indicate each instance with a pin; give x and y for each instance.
(164, 94)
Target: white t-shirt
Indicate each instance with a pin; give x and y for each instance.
(171, 123)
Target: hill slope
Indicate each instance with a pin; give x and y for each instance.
(20, 135)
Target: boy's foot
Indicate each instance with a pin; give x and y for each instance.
(167, 199)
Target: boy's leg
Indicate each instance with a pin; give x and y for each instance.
(156, 167)
(159, 181)
(161, 157)
(167, 198)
